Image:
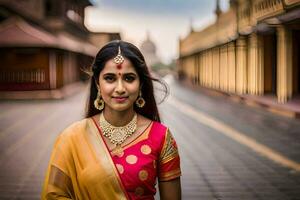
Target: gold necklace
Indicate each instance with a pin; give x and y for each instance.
(117, 135)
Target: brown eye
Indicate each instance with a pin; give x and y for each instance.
(129, 78)
(109, 78)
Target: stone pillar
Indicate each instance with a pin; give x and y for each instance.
(241, 64)
(223, 68)
(197, 68)
(231, 67)
(201, 68)
(205, 69)
(226, 68)
(255, 65)
(216, 68)
(260, 66)
(284, 64)
(191, 68)
(210, 68)
(194, 64)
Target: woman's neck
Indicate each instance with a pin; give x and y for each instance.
(118, 118)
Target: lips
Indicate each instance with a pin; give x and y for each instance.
(120, 99)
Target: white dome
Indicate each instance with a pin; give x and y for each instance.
(148, 49)
(148, 46)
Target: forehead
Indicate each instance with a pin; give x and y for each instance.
(111, 67)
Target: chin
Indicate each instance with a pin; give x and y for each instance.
(121, 108)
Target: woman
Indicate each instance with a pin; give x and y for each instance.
(121, 148)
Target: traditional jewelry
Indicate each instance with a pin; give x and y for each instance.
(140, 102)
(99, 103)
(119, 58)
(117, 151)
(117, 135)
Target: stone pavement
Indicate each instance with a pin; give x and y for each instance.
(213, 165)
(217, 167)
(27, 133)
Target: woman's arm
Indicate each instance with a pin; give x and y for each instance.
(170, 190)
(57, 185)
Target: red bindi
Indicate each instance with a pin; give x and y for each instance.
(119, 66)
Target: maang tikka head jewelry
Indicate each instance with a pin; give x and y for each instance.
(119, 59)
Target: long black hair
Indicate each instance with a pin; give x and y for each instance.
(132, 53)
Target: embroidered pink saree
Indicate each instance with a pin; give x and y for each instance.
(82, 167)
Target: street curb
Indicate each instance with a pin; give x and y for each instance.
(61, 93)
(277, 108)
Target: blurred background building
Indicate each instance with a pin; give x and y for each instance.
(154, 62)
(148, 48)
(253, 48)
(44, 45)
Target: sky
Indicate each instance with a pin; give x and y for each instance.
(166, 21)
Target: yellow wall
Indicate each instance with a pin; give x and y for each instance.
(236, 51)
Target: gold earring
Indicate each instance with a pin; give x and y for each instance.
(140, 102)
(99, 103)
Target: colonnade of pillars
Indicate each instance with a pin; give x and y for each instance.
(238, 66)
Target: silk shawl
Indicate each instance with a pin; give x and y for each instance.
(81, 167)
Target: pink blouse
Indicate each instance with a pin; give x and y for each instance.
(153, 154)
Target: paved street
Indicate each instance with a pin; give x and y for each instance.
(216, 164)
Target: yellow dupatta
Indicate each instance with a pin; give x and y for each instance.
(81, 166)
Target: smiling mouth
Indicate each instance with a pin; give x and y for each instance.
(120, 99)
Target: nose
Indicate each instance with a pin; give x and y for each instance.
(120, 87)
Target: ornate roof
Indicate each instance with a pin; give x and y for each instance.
(16, 32)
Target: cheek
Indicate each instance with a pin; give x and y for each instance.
(106, 89)
(134, 88)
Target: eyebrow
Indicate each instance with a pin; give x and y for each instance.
(129, 73)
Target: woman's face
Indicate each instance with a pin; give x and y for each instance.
(119, 85)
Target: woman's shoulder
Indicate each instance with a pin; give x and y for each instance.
(158, 132)
(161, 127)
(144, 120)
(157, 128)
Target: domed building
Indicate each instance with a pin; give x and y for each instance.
(148, 49)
